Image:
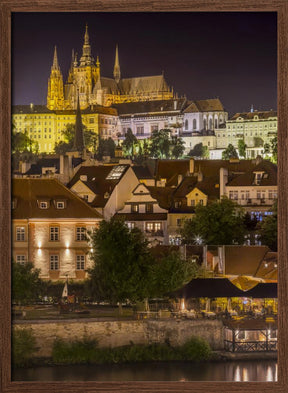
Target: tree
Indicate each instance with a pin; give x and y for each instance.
(258, 142)
(274, 149)
(178, 147)
(121, 263)
(68, 134)
(171, 272)
(242, 148)
(220, 222)
(129, 143)
(229, 152)
(268, 229)
(106, 147)
(160, 143)
(199, 151)
(26, 284)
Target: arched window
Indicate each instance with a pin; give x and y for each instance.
(210, 124)
(194, 124)
(216, 123)
(186, 124)
(205, 124)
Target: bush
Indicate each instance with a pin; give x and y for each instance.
(23, 347)
(196, 349)
(87, 351)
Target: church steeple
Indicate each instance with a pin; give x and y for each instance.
(55, 96)
(79, 137)
(55, 65)
(116, 72)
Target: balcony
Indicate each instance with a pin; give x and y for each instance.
(255, 201)
(154, 233)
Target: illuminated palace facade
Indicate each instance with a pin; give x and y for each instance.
(84, 78)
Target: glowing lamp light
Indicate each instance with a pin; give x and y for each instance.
(91, 249)
(67, 244)
(39, 244)
(182, 306)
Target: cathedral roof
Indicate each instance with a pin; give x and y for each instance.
(107, 83)
(143, 84)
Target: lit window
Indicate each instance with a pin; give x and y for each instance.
(20, 234)
(80, 262)
(134, 208)
(130, 225)
(80, 233)
(116, 172)
(21, 259)
(54, 234)
(149, 207)
(54, 262)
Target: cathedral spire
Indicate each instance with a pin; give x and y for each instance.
(116, 72)
(86, 58)
(79, 138)
(55, 65)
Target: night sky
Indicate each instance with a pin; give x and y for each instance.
(232, 56)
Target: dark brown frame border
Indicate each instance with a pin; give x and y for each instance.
(9, 6)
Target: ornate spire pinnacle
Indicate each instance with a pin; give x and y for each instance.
(79, 138)
(116, 72)
(97, 61)
(86, 36)
(55, 65)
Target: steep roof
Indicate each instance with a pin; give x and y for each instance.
(142, 172)
(250, 115)
(36, 169)
(97, 181)
(155, 83)
(209, 105)
(28, 192)
(163, 195)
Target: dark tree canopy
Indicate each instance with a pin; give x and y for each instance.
(177, 147)
(220, 222)
(90, 139)
(229, 152)
(129, 143)
(269, 229)
(160, 143)
(242, 148)
(26, 284)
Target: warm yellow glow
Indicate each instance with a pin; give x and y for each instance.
(182, 306)
(245, 374)
(67, 244)
(269, 377)
(39, 244)
(237, 377)
(39, 252)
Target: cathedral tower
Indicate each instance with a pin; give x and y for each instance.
(55, 96)
(116, 72)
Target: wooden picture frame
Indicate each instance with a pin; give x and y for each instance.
(9, 6)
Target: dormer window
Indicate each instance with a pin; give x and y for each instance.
(43, 205)
(60, 205)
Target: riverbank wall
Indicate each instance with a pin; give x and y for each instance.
(120, 333)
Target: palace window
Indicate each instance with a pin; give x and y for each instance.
(194, 124)
(54, 234)
(54, 262)
(80, 233)
(80, 262)
(186, 124)
(149, 207)
(20, 234)
(21, 259)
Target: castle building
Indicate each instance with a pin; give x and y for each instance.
(84, 78)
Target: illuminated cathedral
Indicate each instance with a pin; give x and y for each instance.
(85, 80)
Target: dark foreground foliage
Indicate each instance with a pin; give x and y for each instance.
(23, 347)
(88, 352)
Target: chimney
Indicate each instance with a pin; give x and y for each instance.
(25, 166)
(180, 178)
(200, 176)
(223, 175)
(31, 106)
(191, 166)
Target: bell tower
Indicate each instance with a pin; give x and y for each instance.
(55, 96)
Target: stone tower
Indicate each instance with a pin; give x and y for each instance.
(55, 96)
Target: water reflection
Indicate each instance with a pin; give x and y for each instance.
(236, 371)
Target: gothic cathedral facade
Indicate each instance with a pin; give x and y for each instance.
(85, 80)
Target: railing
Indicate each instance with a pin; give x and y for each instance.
(250, 346)
(154, 233)
(254, 201)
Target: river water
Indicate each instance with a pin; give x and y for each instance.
(258, 371)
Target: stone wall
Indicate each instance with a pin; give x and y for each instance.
(118, 333)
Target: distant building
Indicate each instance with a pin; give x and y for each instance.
(256, 128)
(85, 79)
